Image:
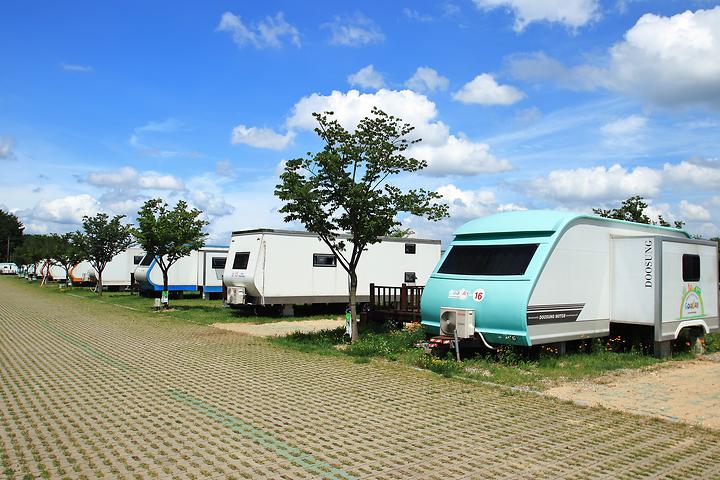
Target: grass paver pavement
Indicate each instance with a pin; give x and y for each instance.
(90, 390)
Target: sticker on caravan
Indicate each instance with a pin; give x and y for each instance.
(478, 295)
(692, 303)
(461, 294)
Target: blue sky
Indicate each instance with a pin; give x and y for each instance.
(567, 104)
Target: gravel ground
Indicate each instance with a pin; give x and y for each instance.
(95, 391)
(275, 329)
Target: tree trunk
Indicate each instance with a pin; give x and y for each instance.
(165, 289)
(353, 307)
(99, 283)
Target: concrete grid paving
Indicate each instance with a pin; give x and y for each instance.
(93, 391)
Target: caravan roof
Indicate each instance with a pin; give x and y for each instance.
(542, 221)
(303, 233)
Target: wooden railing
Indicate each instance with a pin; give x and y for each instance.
(401, 302)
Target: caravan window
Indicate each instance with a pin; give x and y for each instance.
(137, 259)
(147, 260)
(691, 268)
(410, 248)
(241, 260)
(488, 259)
(323, 260)
(219, 262)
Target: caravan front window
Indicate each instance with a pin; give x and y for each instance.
(218, 262)
(147, 260)
(241, 260)
(488, 259)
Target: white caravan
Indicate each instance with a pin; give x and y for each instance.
(83, 272)
(8, 269)
(118, 271)
(56, 272)
(535, 277)
(200, 271)
(281, 267)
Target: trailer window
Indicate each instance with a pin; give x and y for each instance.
(218, 262)
(147, 260)
(691, 268)
(410, 248)
(323, 260)
(488, 259)
(410, 277)
(241, 260)
(137, 259)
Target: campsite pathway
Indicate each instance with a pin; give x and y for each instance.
(94, 391)
(687, 391)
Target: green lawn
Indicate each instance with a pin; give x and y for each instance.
(192, 308)
(536, 368)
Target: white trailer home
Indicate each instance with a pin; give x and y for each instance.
(118, 271)
(202, 270)
(536, 277)
(281, 267)
(54, 272)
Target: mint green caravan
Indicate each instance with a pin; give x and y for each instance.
(535, 277)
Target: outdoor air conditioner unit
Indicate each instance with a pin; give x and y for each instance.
(236, 295)
(461, 320)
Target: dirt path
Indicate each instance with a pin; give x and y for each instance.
(280, 328)
(92, 391)
(686, 391)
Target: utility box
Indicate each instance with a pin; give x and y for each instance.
(458, 320)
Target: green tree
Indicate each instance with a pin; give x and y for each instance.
(101, 239)
(31, 252)
(48, 246)
(11, 233)
(67, 252)
(345, 188)
(169, 235)
(399, 232)
(633, 210)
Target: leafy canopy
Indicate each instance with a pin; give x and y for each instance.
(169, 234)
(103, 238)
(67, 252)
(11, 231)
(633, 210)
(345, 187)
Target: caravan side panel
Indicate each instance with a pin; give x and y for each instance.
(571, 298)
(689, 286)
(634, 280)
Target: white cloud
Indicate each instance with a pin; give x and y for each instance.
(225, 168)
(270, 32)
(129, 178)
(691, 212)
(484, 90)
(666, 61)
(367, 77)
(426, 79)
(624, 126)
(7, 144)
(261, 137)
(694, 173)
(65, 210)
(213, 205)
(572, 13)
(458, 156)
(415, 16)
(69, 67)
(445, 153)
(538, 66)
(598, 183)
(165, 126)
(354, 30)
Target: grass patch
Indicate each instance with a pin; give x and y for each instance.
(192, 308)
(538, 367)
